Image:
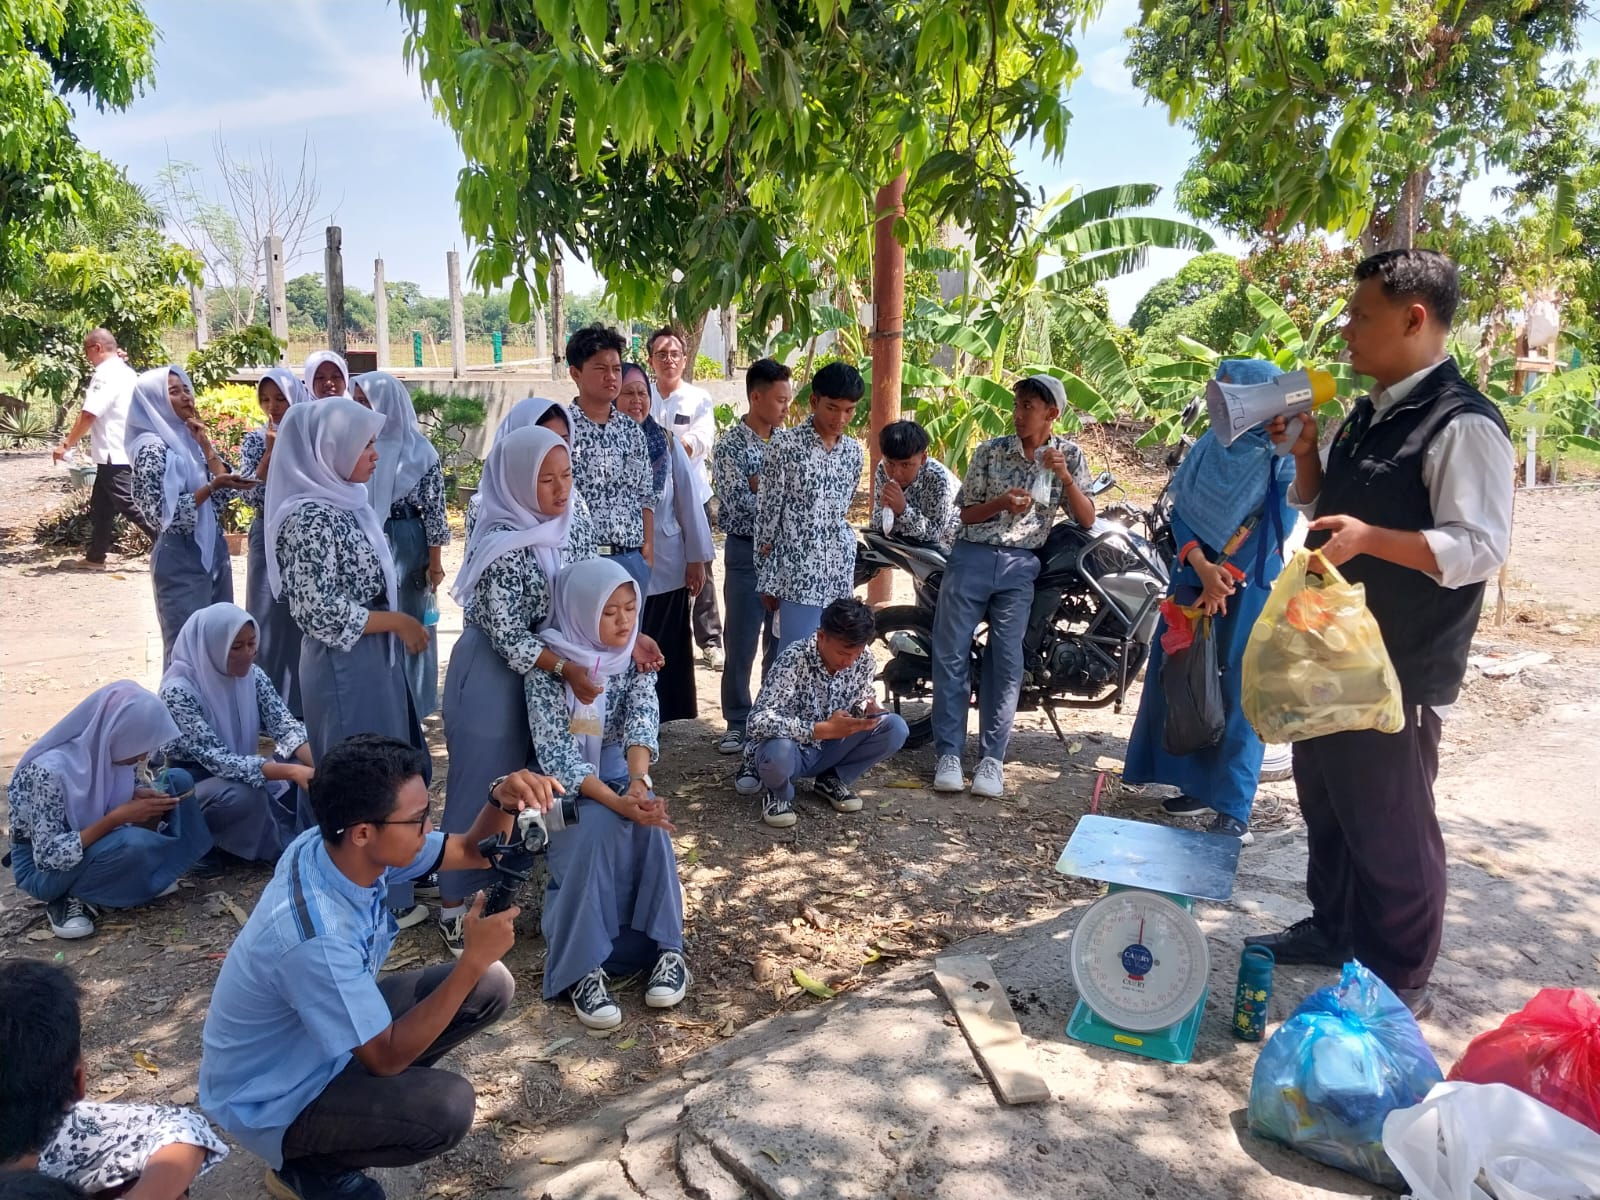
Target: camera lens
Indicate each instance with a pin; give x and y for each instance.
(559, 815)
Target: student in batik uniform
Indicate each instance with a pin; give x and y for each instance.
(182, 485)
(278, 637)
(805, 547)
(919, 491)
(325, 375)
(1008, 501)
(736, 474)
(818, 716)
(407, 493)
(222, 702)
(552, 415)
(46, 1125)
(613, 903)
(610, 461)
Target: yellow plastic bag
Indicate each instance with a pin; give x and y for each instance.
(1315, 663)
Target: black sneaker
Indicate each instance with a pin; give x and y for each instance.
(1232, 827)
(69, 918)
(836, 792)
(1418, 999)
(669, 982)
(777, 812)
(731, 742)
(210, 865)
(594, 1004)
(1303, 943)
(747, 782)
(426, 888)
(1184, 806)
(291, 1182)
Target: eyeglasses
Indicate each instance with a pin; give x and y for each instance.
(419, 822)
(670, 355)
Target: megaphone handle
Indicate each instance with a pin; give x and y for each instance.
(1291, 431)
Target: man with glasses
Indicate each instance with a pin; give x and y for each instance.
(686, 411)
(309, 1060)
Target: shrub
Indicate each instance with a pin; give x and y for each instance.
(230, 411)
(69, 526)
(706, 367)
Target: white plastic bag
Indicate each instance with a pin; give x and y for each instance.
(1487, 1141)
(1544, 322)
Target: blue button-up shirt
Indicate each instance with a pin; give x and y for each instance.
(298, 992)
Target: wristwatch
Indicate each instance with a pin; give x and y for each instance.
(645, 779)
(492, 787)
(560, 668)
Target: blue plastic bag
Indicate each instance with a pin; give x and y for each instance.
(1344, 1060)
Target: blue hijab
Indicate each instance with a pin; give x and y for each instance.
(1216, 487)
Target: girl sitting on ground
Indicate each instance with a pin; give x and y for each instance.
(613, 903)
(254, 805)
(84, 828)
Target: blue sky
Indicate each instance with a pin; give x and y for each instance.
(269, 74)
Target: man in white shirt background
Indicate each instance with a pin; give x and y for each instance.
(686, 411)
(104, 418)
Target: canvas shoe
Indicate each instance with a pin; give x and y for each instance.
(713, 657)
(68, 918)
(836, 792)
(454, 932)
(594, 1004)
(947, 775)
(427, 888)
(405, 918)
(989, 780)
(1232, 827)
(292, 1182)
(1184, 806)
(731, 742)
(747, 782)
(669, 982)
(777, 812)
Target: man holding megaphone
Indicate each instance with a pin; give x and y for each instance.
(1412, 499)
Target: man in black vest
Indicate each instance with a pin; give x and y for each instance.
(1414, 502)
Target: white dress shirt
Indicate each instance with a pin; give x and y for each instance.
(1468, 473)
(107, 399)
(689, 415)
(683, 535)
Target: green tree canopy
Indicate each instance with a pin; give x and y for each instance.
(1202, 276)
(1327, 114)
(698, 152)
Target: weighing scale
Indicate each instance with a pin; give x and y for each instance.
(1139, 959)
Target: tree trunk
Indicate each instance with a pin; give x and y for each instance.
(1396, 228)
(691, 348)
(558, 318)
(888, 338)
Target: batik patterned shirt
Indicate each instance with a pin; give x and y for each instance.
(104, 1146)
(735, 461)
(580, 534)
(331, 574)
(39, 816)
(932, 514)
(805, 548)
(149, 471)
(611, 467)
(199, 742)
(508, 603)
(251, 451)
(997, 467)
(633, 718)
(798, 691)
(428, 499)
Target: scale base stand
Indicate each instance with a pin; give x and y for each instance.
(1174, 1044)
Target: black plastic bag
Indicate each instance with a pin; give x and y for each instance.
(1193, 690)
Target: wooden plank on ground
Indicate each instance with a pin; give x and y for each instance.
(969, 984)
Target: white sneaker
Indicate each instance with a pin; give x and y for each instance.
(989, 780)
(594, 1003)
(669, 982)
(714, 657)
(947, 776)
(68, 919)
(405, 918)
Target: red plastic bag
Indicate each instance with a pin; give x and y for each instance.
(1550, 1050)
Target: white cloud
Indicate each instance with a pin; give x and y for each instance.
(1115, 17)
(1107, 72)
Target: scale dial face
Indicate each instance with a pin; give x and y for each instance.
(1139, 960)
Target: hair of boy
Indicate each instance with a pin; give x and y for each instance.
(900, 440)
(1418, 276)
(17, 1184)
(1037, 388)
(763, 373)
(591, 340)
(360, 779)
(40, 1047)
(850, 621)
(666, 331)
(838, 381)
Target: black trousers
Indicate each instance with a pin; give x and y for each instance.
(707, 620)
(112, 494)
(362, 1120)
(1375, 875)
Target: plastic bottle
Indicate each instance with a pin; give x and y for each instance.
(1044, 479)
(1252, 993)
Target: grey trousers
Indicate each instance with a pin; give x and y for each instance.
(749, 627)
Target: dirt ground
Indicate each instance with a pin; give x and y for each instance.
(839, 898)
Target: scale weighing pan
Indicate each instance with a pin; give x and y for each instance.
(1139, 960)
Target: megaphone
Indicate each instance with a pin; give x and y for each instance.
(1237, 407)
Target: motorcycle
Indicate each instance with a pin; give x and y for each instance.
(1094, 611)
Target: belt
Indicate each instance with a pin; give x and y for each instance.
(612, 551)
(402, 511)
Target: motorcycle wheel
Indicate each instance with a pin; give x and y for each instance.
(896, 668)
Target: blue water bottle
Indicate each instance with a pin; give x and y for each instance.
(1252, 993)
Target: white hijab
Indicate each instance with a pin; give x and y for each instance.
(200, 662)
(121, 720)
(288, 383)
(150, 421)
(314, 360)
(580, 595)
(404, 455)
(318, 446)
(508, 495)
(529, 412)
